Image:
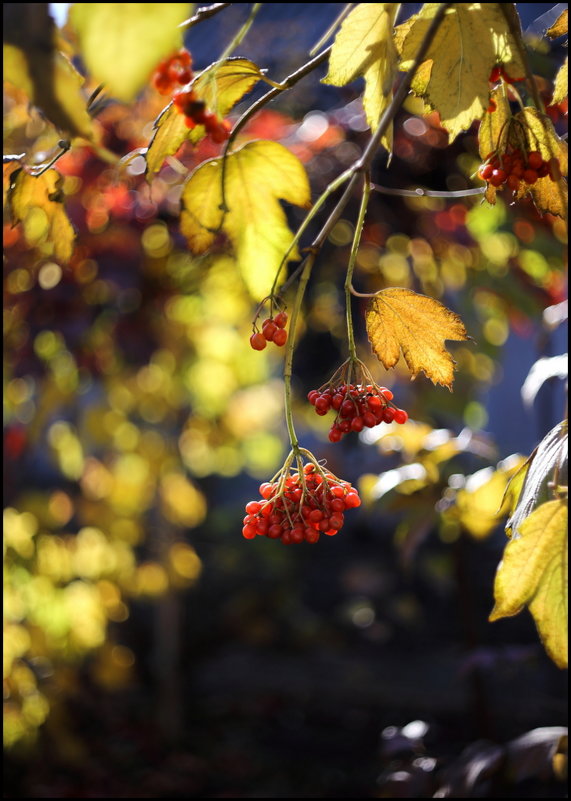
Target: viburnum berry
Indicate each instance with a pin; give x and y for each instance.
(258, 341)
(358, 405)
(273, 329)
(173, 72)
(300, 505)
(517, 168)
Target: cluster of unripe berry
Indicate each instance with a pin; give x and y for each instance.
(273, 330)
(176, 72)
(300, 507)
(514, 166)
(358, 406)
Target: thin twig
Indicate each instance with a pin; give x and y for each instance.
(204, 13)
(332, 28)
(385, 190)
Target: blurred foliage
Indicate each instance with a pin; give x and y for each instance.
(131, 394)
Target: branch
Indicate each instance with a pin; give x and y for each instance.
(385, 190)
(204, 13)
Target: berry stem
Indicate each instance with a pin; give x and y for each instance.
(309, 261)
(241, 33)
(351, 266)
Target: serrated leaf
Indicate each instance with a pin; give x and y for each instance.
(122, 43)
(561, 84)
(548, 460)
(37, 203)
(402, 320)
(533, 573)
(221, 86)
(33, 64)
(258, 175)
(364, 47)
(560, 26)
(471, 40)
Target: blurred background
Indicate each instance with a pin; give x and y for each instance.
(151, 651)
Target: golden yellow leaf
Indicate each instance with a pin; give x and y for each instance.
(364, 47)
(494, 123)
(122, 43)
(561, 85)
(560, 26)
(533, 573)
(37, 203)
(221, 86)
(402, 320)
(258, 175)
(33, 63)
(471, 40)
(549, 196)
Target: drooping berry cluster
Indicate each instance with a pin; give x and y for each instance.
(517, 166)
(273, 330)
(176, 72)
(173, 72)
(358, 406)
(299, 507)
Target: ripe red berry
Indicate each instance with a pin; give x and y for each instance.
(258, 341)
(499, 176)
(281, 319)
(280, 337)
(530, 176)
(400, 416)
(513, 182)
(269, 329)
(485, 172)
(534, 159)
(495, 74)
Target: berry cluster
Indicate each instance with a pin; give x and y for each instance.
(273, 330)
(176, 72)
(173, 72)
(299, 507)
(358, 406)
(516, 166)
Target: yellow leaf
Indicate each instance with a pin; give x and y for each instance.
(401, 320)
(549, 196)
(34, 64)
(122, 43)
(37, 202)
(471, 40)
(480, 504)
(221, 86)
(258, 175)
(561, 85)
(533, 573)
(494, 123)
(560, 26)
(364, 47)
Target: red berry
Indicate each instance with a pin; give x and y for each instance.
(357, 424)
(335, 434)
(369, 420)
(513, 182)
(498, 177)
(269, 329)
(495, 74)
(543, 170)
(530, 176)
(485, 172)
(400, 416)
(312, 396)
(491, 107)
(352, 500)
(280, 319)
(389, 414)
(534, 159)
(258, 341)
(280, 337)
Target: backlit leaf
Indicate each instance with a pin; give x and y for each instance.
(402, 320)
(258, 175)
(364, 47)
(560, 26)
(122, 43)
(221, 86)
(493, 126)
(533, 573)
(479, 504)
(561, 85)
(453, 80)
(33, 64)
(37, 203)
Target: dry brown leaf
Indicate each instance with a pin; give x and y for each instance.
(400, 320)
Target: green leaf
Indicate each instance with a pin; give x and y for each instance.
(546, 463)
(533, 573)
(402, 320)
(364, 47)
(33, 64)
(37, 203)
(258, 175)
(221, 86)
(122, 43)
(453, 79)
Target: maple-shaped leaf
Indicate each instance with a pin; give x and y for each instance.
(364, 47)
(37, 203)
(33, 64)
(257, 176)
(122, 43)
(454, 78)
(533, 573)
(220, 86)
(402, 320)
